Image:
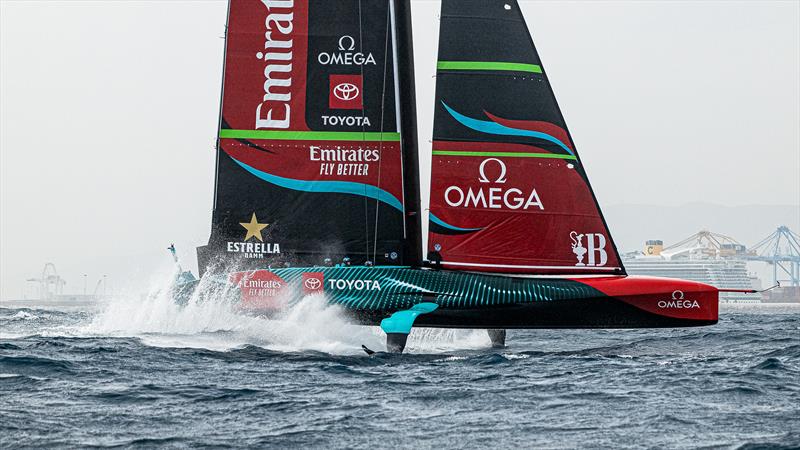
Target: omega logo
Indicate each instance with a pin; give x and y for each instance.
(678, 302)
(345, 38)
(482, 169)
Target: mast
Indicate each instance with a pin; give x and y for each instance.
(403, 46)
(221, 96)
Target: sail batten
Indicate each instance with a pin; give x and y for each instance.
(354, 136)
(565, 269)
(501, 154)
(509, 192)
(489, 65)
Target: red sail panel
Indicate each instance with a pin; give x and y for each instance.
(508, 190)
(265, 65)
(500, 209)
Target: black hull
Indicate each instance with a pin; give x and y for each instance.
(579, 314)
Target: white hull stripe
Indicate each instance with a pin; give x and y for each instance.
(514, 266)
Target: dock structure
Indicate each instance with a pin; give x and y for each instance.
(781, 250)
(721, 261)
(49, 284)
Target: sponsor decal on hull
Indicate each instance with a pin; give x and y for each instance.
(357, 285)
(313, 282)
(678, 301)
(260, 289)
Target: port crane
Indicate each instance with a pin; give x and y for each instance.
(781, 250)
(50, 284)
(710, 244)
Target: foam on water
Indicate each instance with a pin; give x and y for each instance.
(211, 319)
(24, 315)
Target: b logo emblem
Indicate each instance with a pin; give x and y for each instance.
(595, 248)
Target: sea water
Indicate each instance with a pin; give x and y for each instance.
(144, 372)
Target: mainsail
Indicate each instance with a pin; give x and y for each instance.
(509, 192)
(309, 162)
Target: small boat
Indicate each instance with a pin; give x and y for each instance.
(317, 187)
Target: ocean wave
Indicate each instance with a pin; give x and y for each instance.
(770, 364)
(147, 372)
(36, 365)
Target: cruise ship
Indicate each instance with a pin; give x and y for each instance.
(705, 257)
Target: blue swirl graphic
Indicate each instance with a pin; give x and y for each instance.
(484, 126)
(339, 187)
(444, 224)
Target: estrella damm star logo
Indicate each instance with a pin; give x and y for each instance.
(254, 228)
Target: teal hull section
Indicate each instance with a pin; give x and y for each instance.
(398, 288)
(469, 300)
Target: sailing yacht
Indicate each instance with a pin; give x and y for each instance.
(317, 187)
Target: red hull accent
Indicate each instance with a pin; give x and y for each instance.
(677, 299)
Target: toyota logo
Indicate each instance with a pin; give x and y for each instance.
(345, 91)
(312, 284)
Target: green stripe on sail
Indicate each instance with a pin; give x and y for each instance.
(309, 135)
(484, 65)
(504, 154)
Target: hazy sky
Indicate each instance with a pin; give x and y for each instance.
(108, 112)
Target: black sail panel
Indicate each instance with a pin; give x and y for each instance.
(508, 190)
